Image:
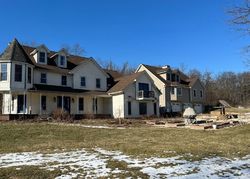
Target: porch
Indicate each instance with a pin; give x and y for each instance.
(91, 103)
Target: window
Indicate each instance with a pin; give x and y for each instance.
(43, 78)
(98, 83)
(129, 108)
(194, 93)
(59, 101)
(3, 71)
(83, 81)
(42, 57)
(177, 78)
(168, 76)
(201, 93)
(143, 108)
(62, 60)
(43, 102)
(172, 90)
(173, 77)
(64, 80)
(29, 75)
(18, 73)
(81, 104)
(179, 91)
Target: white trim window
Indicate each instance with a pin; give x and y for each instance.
(43, 78)
(179, 91)
(172, 90)
(201, 94)
(42, 57)
(62, 61)
(98, 83)
(3, 70)
(83, 81)
(18, 73)
(194, 93)
(64, 80)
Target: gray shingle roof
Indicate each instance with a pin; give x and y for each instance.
(15, 52)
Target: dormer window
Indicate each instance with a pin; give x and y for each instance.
(42, 57)
(62, 61)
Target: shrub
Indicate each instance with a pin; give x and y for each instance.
(61, 115)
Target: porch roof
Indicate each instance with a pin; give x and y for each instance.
(52, 88)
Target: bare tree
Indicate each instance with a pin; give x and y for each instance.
(241, 19)
(75, 49)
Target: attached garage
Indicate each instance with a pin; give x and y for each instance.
(176, 107)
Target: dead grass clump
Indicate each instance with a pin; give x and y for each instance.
(61, 115)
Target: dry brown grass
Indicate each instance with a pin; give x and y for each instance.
(143, 141)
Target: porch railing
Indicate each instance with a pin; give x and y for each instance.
(145, 94)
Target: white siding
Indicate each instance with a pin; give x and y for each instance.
(164, 97)
(52, 78)
(91, 72)
(118, 106)
(5, 85)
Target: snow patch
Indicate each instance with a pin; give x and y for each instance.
(89, 164)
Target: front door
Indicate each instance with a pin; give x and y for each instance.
(66, 103)
(20, 103)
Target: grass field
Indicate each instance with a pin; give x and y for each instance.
(145, 141)
(138, 142)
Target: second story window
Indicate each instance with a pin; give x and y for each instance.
(194, 93)
(168, 76)
(29, 75)
(64, 80)
(173, 77)
(43, 78)
(3, 70)
(83, 81)
(201, 93)
(179, 91)
(173, 90)
(62, 61)
(18, 73)
(42, 57)
(177, 78)
(98, 83)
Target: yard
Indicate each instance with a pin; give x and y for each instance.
(119, 148)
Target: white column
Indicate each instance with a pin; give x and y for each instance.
(10, 102)
(24, 101)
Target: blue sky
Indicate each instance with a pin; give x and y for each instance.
(193, 33)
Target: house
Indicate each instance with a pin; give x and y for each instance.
(178, 91)
(134, 95)
(38, 81)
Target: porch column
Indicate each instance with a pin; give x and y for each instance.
(24, 102)
(10, 101)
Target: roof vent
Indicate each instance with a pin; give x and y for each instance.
(165, 67)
